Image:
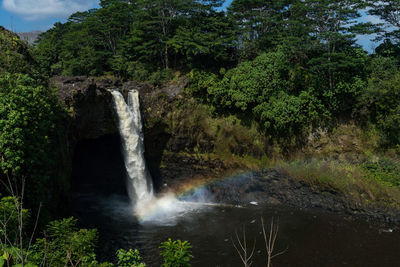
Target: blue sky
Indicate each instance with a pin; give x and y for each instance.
(30, 15)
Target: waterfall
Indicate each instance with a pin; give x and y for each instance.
(165, 208)
(139, 185)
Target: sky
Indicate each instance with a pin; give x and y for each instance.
(31, 15)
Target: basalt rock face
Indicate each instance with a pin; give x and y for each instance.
(92, 117)
(90, 106)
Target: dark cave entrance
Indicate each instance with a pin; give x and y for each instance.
(98, 167)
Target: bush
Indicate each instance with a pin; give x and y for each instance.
(13, 219)
(266, 90)
(384, 170)
(64, 244)
(252, 83)
(130, 258)
(9, 213)
(160, 76)
(176, 253)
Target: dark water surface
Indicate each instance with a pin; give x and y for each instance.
(312, 238)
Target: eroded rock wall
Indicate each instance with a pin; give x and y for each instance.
(92, 116)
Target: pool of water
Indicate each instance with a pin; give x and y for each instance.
(309, 237)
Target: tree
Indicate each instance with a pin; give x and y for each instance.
(389, 11)
(336, 62)
(29, 115)
(330, 27)
(379, 103)
(261, 24)
(389, 49)
(13, 220)
(154, 24)
(206, 39)
(15, 55)
(267, 90)
(49, 46)
(112, 22)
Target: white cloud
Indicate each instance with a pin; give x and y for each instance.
(43, 9)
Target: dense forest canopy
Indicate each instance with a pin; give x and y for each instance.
(290, 65)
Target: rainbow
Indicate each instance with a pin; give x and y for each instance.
(176, 201)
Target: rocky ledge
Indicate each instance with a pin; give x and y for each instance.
(276, 188)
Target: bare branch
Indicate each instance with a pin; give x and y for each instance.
(243, 252)
(270, 240)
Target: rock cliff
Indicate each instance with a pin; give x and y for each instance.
(92, 117)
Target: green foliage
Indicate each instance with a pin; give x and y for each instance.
(160, 77)
(135, 38)
(15, 55)
(339, 78)
(204, 40)
(261, 25)
(200, 81)
(290, 115)
(265, 89)
(28, 128)
(387, 10)
(130, 258)
(176, 253)
(389, 50)
(251, 83)
(49, 47)
(65, 245)
(9, 218)
(379, 103)
(13, 223)
(300, 67)
(384, 170)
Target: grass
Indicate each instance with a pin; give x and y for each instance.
(356, 182)
(225, 136)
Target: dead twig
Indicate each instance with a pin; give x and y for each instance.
(270, 240)
(242, 249)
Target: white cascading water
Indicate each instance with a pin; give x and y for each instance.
(139, 184)
(165, 208)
